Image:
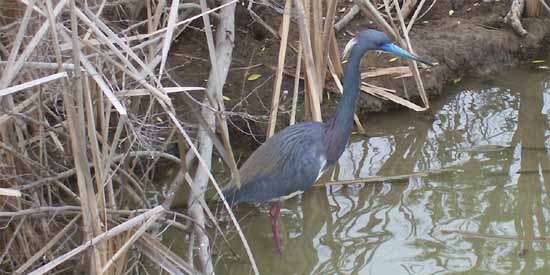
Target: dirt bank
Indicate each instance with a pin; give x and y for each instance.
(472, 41)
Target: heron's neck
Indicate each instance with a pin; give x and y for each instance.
(341, 122)
(352, 79)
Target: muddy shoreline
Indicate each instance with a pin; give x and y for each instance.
(471, 50)
(473, 41)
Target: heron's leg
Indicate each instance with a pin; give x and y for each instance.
(274, 213)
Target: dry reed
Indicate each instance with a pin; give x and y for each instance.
(85, 117)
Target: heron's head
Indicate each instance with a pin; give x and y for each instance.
(374, 40)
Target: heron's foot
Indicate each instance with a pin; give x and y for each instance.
(275, 213)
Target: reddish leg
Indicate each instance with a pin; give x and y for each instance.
(274, 213)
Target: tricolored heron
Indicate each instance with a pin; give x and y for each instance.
(293, 159)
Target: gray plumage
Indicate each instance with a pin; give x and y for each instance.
(286, 163)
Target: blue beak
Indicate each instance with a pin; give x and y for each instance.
(392, 48)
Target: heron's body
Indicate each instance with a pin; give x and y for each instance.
(289, 162)
(295, 152)
(293, 159)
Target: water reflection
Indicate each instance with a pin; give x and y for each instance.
(396, 228)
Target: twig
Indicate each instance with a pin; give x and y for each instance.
(172, 17)
(415, 15)
(407, 7)
(12, 239)
(344, 21)
(75, 118)
(12, 70)
(385, 94)
(109, 234)
(48, 246)
(30, 84)
(427, 10)
(168, 259)
(399, 70)
(260, 21)
(145, 92)
(131, 241)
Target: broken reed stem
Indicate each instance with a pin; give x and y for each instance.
(75, 111)
(376, 16)
(95, 151)
(200, 181)
(310, 69)
(315, 27)
(216, 98)
(280, 67)
(130, 242)
(296, 85)
(413, 64)
(328, 35)
(373, 179)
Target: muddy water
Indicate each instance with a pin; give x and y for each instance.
(480, 217)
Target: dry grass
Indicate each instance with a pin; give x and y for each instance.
(86, 116)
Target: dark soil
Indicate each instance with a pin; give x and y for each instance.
(472, 41)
